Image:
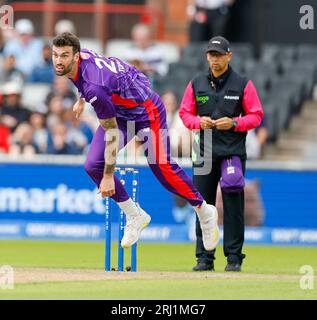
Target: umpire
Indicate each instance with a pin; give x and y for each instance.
(228, 104)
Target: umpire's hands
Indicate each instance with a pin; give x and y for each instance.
(224, 123)
(206, 123)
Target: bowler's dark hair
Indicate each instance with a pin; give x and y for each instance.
(67, 39)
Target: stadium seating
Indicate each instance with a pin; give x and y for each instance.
(284, 75)
(92, 44)
(117, 48)
(242, 50)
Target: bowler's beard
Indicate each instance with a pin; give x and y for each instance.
(66, 70)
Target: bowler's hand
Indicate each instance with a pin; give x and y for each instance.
(224, 123)
(107, 186)
(78, 108)
(206, 123)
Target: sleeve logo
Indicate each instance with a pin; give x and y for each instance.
(92, 100)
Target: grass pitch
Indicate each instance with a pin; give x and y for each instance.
(74, 270)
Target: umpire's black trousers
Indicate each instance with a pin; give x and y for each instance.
(233, 216)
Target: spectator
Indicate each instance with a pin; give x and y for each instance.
(22, 140)
(5, 35)
(9, 71)
(79, 133)
(171, 105)
(181, 139)
(61, 87)
(4, 138)
(180, 135)
(55, 111)
(13, 112)
(2, 42)
(58, 143)
(44, 71)
(208, 18)
(25, 48)
(40, 132)
(145, 54)
(64, 25)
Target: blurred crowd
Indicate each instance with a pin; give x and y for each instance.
(50, 127)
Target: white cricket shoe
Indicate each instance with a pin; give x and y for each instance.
(134, 226)
(210, 230)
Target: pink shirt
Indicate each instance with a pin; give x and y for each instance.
(251, 105)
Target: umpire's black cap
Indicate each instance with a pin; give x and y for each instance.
(218, 44)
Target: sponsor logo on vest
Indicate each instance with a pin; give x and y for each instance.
(202, 99)
(231, 97)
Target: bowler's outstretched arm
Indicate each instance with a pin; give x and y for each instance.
(107, 187)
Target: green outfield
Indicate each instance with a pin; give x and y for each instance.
(74, 270)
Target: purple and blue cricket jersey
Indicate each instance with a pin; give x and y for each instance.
(117, 89)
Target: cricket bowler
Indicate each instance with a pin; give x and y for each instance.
(121, 94)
